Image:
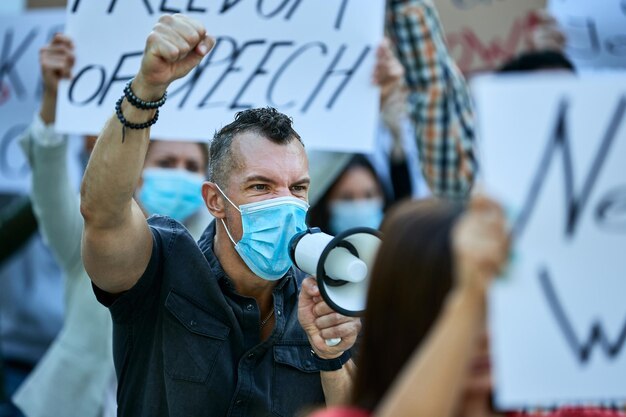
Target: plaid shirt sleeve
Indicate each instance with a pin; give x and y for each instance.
(439, 98)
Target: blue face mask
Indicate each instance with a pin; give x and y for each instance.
(346, 215)
(268, 226)
(171, 192)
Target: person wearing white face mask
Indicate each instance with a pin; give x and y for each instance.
(224, 326)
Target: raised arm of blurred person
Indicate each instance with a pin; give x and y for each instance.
(439, 98)
(470, 250)
(80, 357)
(54, 200)
(389, 76)
(117, 242)
(396, 134)
(433, 379)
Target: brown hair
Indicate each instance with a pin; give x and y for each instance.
(411, 277)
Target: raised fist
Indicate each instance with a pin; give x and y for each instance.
(174, 47)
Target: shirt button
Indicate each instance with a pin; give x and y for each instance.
(238, 402)
(251, 356)
(278, 313)
(249, 307)
(192, 323)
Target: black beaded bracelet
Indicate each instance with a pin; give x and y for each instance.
(329, 365)
(139, 103)
(126, 124)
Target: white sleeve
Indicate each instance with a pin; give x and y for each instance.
(55, 203)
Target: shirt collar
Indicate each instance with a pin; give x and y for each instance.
(206, 246)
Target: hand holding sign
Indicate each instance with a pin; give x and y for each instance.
(56, 60)
(388, 72)
(311, 59)
(174, 47)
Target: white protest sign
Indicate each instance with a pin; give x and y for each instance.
(553, 152)
(595, 30)
(21, 37)
(483, 34)
(312, 60)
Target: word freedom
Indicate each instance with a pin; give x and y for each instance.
(265, 9)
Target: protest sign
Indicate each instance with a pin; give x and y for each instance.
(595, 31)
(553, 152)
(483, 34)
(21, 37)
(312, 60)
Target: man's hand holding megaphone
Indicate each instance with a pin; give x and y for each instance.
(329, 305)
(323, 324)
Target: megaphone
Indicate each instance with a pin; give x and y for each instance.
(342, 264)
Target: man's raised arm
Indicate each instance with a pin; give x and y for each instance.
(117, 242)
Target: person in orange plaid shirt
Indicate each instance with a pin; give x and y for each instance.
(439, 98)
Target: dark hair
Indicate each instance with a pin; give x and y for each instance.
(267, 121)
(410, 279)
(319, 214)
(540, 60)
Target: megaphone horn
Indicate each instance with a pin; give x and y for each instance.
(341, 264)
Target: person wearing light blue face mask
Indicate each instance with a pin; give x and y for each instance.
(171, 192)
(348, 214)
(227, 325)
(264, 245)
(171, 182)
(356, 199)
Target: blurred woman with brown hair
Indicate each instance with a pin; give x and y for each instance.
(424, 350)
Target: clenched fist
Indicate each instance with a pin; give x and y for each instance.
(174, 47)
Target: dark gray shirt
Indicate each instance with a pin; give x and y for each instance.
(186, 344)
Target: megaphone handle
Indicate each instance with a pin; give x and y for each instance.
(333, 342)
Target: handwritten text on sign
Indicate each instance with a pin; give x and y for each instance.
(311, 60)
(595, 30)
(558, 319)
(483, 34)
(20, 88)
